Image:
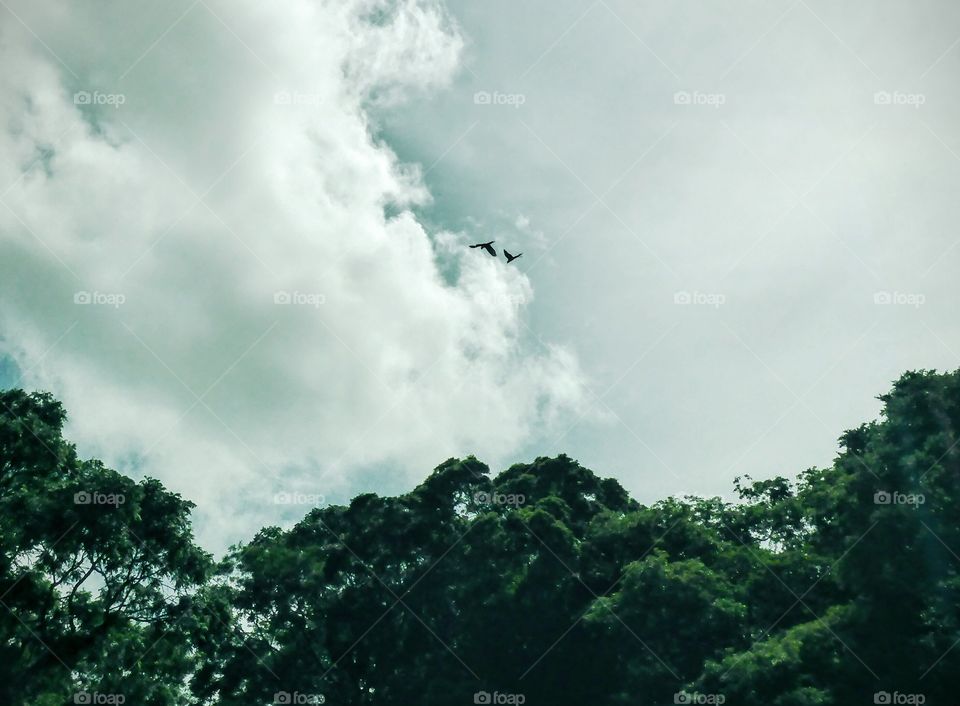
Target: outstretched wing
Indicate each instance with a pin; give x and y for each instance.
(509, 256)
(489, 248)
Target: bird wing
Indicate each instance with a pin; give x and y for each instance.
(489, 249)
(509, 256)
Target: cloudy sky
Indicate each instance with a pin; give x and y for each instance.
(232, 234)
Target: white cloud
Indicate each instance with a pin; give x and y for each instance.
(535, 235)
(237, 169)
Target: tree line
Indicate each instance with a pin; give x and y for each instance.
(544, 584)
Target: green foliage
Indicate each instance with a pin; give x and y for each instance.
(545, 581)
(96, 570)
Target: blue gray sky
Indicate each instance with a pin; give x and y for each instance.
(789, 165)
(232, 235)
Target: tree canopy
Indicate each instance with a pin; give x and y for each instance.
(543, 584)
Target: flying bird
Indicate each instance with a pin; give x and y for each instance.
(488, 247)
(511, 258)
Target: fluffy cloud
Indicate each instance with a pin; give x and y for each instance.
(207, 255)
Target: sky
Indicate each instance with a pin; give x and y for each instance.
(233, 235)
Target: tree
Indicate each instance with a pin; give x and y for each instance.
(96, 570)
(544, 583)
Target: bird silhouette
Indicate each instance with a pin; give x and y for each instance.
(488, 247)
(511, 258)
